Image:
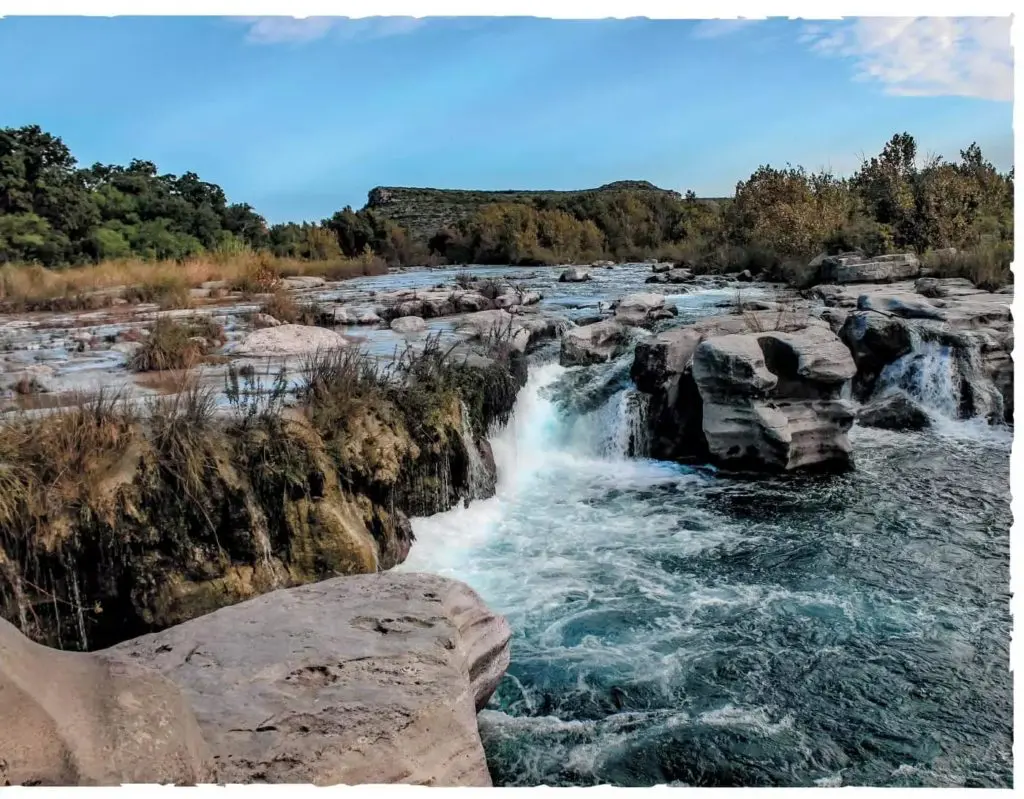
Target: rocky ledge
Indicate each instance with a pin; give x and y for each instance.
(355, 680)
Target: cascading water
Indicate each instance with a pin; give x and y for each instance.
(672, 625)
(946, 379)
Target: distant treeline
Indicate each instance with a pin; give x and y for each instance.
(56, 214)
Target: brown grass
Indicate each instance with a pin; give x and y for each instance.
(176, 345)
(36, 288)
(987, 266)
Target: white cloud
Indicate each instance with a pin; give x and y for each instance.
(277, 30)
(924, 56)
(713, 28)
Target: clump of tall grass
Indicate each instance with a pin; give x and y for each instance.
(176, 345)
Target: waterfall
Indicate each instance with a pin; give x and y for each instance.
(479, 478)
(944, 373)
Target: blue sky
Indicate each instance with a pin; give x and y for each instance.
(302, 117)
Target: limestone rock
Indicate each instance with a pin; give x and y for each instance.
(408, 325)
(574, 274)
(642, 309)
(595, 343)
(905, 306)
(658, 268)
(894, 411)
(372, 679)
(74, 718)
(855, 268)
(289, 340)
(672, 276)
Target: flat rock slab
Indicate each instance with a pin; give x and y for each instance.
(289, 340)
(356, 680)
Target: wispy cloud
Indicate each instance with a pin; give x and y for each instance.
(713, 28)
(923, 56)
(278, 30)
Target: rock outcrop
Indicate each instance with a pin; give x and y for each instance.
(760, 400)
(595, 343)
(521, 331)
(671, 276)
(372, 679)
(72, 719)
(856, 268)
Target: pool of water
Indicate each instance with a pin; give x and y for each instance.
(674, 625)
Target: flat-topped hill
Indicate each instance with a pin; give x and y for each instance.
(423, 211)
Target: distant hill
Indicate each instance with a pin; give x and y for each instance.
(424, 211)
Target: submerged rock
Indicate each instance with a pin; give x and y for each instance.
(289, 340)
(595, 343)
(894, 411)
(362, 680)
(72, 719)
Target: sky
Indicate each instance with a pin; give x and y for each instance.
(300, 117)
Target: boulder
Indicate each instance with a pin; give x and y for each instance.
(894, 411)
(745, 276)
(855, 268)
(874, 341)
(472, 301)
(374, 679)
(286, 340)
(76, 718)
(905, 306)
(574, 274)
(303, 282)
(596, 343)
(603, 264)
(642, 309)
(658, 268)
(747, 399)
(368, 318)
(771, 401)
(408, 325)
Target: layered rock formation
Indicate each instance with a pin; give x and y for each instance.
(370, 679)
(594, 343)
(857, 268)
(745, 399)
(71, 718)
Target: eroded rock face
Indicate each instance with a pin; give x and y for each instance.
(595, 343)
(747, 399)
(771, 400)
(370, 679)
(71, 718)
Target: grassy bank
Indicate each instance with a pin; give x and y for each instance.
(35, 288)
(116, 520)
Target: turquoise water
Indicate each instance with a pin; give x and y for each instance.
(672, 625)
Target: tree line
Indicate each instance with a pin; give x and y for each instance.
(54, 213)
